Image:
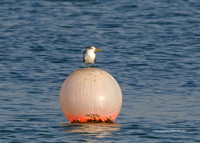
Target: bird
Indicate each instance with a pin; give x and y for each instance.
(89, 55)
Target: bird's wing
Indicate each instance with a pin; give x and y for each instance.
(84, 55)
(95, 57)
(84, 52)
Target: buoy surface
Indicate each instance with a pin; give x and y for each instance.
(90, 95)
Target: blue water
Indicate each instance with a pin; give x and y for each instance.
(151, 47)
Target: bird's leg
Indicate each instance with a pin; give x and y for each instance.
(92, 65)
(87, 65)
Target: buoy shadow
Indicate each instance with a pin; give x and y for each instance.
(99, 130)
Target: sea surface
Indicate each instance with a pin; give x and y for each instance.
(151, 47)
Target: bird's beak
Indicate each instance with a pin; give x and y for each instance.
(98, 50)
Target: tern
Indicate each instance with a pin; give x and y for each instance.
(89, 55)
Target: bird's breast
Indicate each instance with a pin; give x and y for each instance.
(90, 57)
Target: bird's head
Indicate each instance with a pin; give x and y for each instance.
(92, 48)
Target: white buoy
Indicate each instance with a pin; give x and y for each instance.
(90, 95)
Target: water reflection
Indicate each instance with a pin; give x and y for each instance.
(99, 130)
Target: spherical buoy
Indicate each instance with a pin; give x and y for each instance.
(91, 95)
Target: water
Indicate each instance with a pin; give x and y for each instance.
(151, 47)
